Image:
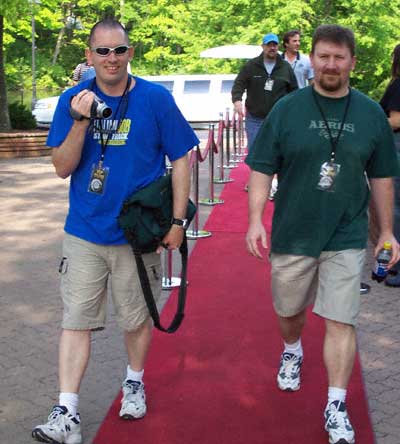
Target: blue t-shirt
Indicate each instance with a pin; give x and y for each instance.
(152, 128)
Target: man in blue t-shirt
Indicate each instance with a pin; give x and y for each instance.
(107, 160)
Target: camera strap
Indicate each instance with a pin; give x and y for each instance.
(123, 104)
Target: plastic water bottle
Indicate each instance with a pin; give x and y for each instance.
(380, 271)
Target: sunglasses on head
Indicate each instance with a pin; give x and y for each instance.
(104, 51)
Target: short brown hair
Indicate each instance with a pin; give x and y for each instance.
(289, 34)
(334, 34)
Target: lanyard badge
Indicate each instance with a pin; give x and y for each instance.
(327, 176)
(330, 170)
(269, 84)
(98, 179)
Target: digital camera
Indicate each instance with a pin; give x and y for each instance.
(100, 109)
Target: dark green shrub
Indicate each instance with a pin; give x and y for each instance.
(21, 117)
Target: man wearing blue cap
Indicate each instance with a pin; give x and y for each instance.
(265, 79)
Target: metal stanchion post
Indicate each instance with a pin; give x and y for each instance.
(228, 142)
(221, 178)
(235, 157)
(195, 233)
(211, 200)
(168, 281)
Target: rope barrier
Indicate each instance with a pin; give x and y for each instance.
(211, 148)
(220, 146)
(195, 233)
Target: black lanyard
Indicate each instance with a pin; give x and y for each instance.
(124, 100)
(334, 140)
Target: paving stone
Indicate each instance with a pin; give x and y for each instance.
(31, 314)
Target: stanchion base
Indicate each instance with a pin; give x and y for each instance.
(210, 202)
(222, 180)
(197, 234)
(168, 283)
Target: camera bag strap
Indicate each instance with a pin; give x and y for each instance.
(148, 294)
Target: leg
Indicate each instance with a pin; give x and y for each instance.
(292, 327)
(74, 356)
(134, 398)
(339, 352)
(293, 289)
(137, 344)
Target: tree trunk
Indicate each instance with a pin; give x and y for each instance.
(58, 45)
(5, 124)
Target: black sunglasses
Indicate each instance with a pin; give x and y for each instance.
(104, 51)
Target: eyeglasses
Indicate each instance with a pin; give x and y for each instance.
(104, 51)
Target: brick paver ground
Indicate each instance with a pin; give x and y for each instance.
(33, 206)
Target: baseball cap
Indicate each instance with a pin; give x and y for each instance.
(268, 38)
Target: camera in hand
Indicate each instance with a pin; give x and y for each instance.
(100, 109)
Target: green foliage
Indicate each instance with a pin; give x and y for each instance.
(21, 117)
(168, 35)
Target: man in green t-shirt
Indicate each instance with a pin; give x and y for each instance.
(330, 146)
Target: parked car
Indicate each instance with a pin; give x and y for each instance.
(200, 97)
(44, 111)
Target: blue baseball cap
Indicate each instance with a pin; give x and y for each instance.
(268, 38)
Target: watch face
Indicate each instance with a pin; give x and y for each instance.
(181, 222)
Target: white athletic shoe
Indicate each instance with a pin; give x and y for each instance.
(337, 424)
(289, 372)
(61, 428)
(133, 400)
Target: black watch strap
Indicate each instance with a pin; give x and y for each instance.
(181, 222)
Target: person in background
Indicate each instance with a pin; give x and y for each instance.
(108, 160)
(323, 142)
(88, 74)
(265, 79)
(390, 103)
(299, 62)
(79, 70)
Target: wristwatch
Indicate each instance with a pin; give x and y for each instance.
(181, 222)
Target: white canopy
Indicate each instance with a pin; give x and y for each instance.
(232, 52)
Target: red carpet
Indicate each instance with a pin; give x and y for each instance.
(213, 382)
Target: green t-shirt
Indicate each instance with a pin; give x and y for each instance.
(294, 142)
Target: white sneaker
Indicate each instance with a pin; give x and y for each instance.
(133, 400)
(61, 428)
(337, 424)
(289, 372)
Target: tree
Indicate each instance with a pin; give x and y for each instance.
(5, 124)
(8, 9)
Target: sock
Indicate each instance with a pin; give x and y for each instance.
(295, 349)
(133, 375)
(336, 394)
(69, 400)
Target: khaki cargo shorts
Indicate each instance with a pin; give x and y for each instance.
(330, 282)
(88, 270)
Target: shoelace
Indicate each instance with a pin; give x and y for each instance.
(133, 386)
(56, 415)
(290, 363)
(337, 418)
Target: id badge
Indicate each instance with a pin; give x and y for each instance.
(98, 179)
(269, 83)
(327, 176)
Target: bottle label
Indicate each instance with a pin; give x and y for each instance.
(381, 269)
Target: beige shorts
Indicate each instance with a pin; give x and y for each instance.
(88, 270)
(330, 282)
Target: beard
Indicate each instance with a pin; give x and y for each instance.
(330, 82)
